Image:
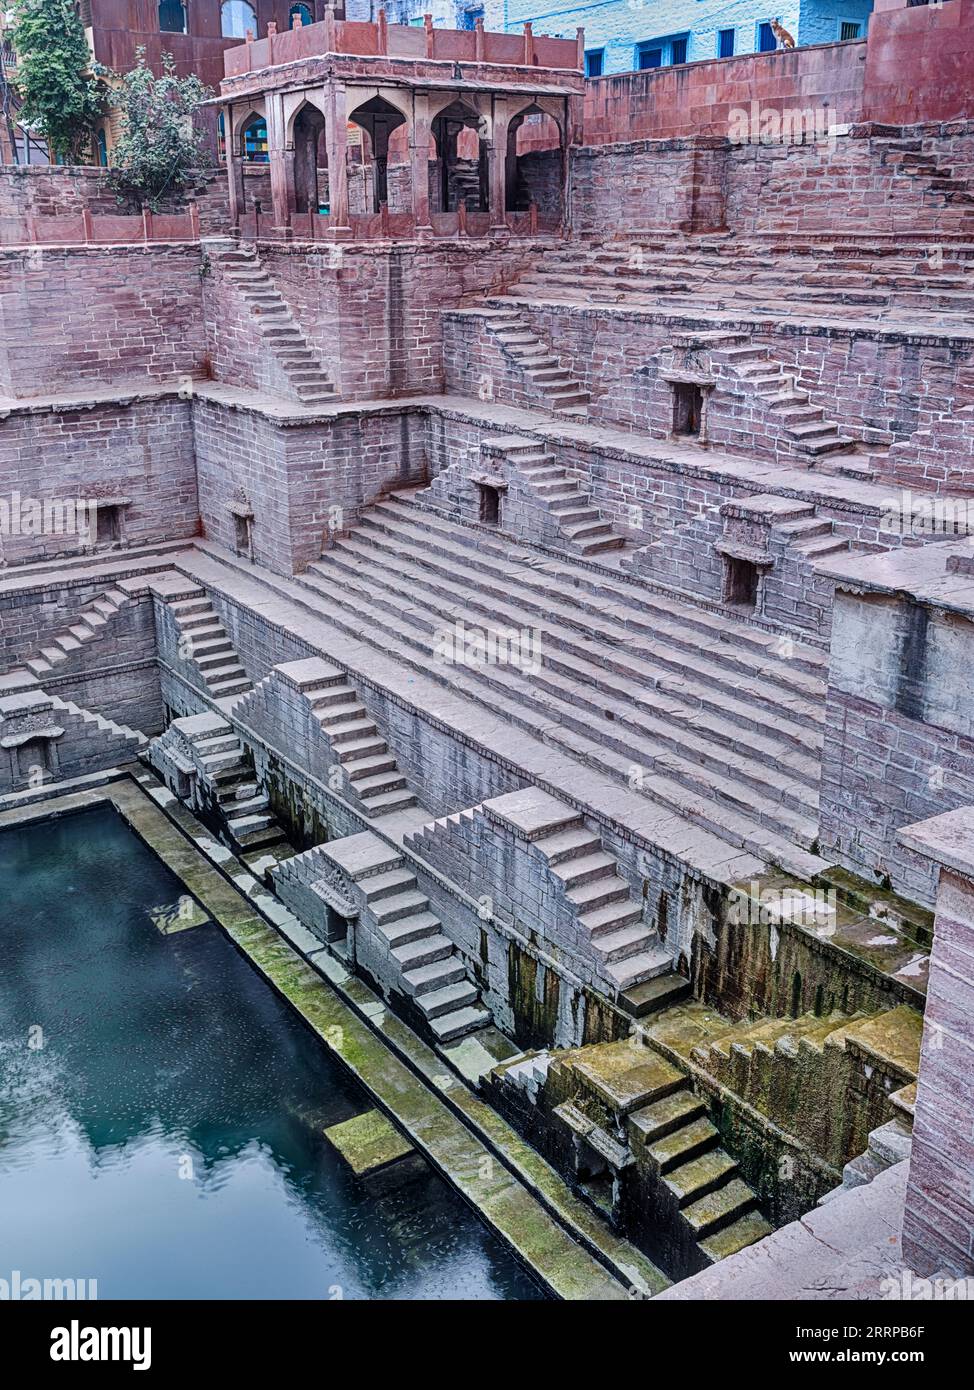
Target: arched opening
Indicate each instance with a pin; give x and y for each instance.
(463, 171)
(534, 166)
(102, 142)
(253, 140)
(237, 18)
(172, 17)
(298, 16)
(378, 118)
(310, 157)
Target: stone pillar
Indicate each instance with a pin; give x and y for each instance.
(337, 134)
(938, 1223)
(277, 157)
(419, 154)
(234, 167)
(498, 167)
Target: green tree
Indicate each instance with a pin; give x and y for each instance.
(61, 92)
(158, 154)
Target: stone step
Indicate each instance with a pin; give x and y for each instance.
(386, 802)
(720, 1208)
(420, 926)
(655, 994)
(414, 954)
(460, 1022)
(395, 905)
(567, 626)
(658, 1120)
(436, 1002)
(785, 793)
(439, 975)
(677, 1146)
(737, 1236)
(387, 884)
(701, 1176)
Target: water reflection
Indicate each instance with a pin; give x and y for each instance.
(161, 1108)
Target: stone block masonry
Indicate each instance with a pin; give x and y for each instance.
(298, 477)
(938, 1226)
(98, 315)
(373, 313)
(136, 455)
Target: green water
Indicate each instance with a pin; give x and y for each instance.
(161, 1108)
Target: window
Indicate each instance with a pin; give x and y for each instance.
(848, 30)
(740, 582)
(172, 17)
(102, 142)
(766, 39)
(241, 534)
(687, 408)
(108, 525)
(298, 16)
(658, 53)
(594, 59)
(469, 17)
(236, 17)
(725, 43)
(254, 146)
(490, 505)
(221, 138)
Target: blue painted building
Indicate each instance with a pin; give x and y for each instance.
(622, 35)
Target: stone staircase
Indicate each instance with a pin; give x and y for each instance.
(432, 972)
(133, 738)
(282, 335)
(548, 382)
(86, 628)
(205, 643)
(803, 425)
(838, 280)
(722, 731)
(578, 521)
(464, 179)
(698, 1178)
(580, 882)
(888, 1144)
(227, 776)
(398, 940)
(369, 764)
(633, 1111)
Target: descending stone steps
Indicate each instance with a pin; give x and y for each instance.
(712, 647)
(134, 737)
(554, 388)
(86, 628)
(283, 336)
(578, 520)
(364, 754)
(430, 969)
(582, 683)
(754, 275)
(719, 801)
(411, 547)
(204, 642)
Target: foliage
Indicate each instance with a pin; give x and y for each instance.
(60, 87)
(159, 153)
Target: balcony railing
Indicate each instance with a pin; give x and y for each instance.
(379, 40)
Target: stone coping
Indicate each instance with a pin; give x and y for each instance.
(513, 1189)
(947, 839)
(920, 571)
(800, 323)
